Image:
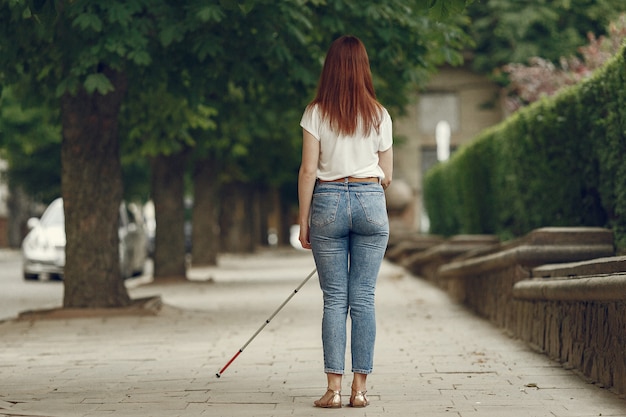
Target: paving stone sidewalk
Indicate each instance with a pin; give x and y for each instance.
(433, 358)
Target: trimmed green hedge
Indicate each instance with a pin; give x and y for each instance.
(558, 162)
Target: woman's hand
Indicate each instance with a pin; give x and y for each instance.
(304, 237)
(385, 161)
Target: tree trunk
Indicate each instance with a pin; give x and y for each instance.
(271, 231)
(237, 219)
(259, 216)
(168, 193)
(91, 182)
(205, 215)
(288, 216)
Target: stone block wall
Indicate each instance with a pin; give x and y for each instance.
(585, 336)
(579, 312)
(561, 290)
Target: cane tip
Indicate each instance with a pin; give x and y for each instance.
(218, 375)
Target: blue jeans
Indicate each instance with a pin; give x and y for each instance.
(349, 235)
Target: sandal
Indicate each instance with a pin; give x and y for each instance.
(331, 399)
(358, 399)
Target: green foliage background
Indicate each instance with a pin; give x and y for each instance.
(508, 31)
(228, 78)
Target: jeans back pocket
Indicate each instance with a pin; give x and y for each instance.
(324, 208)
(374, 207)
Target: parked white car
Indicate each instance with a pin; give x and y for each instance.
(43, 248)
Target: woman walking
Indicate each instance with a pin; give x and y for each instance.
(347, 162)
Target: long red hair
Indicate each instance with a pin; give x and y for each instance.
(345, 92)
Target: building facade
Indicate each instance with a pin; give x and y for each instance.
(452, 109)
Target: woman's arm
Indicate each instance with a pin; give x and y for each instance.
(306, 183)
(385, 161)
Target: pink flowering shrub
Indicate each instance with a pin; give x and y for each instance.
(542, 78)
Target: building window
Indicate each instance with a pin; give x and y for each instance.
(434, 107)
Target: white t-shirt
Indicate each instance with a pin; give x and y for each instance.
(347, 156)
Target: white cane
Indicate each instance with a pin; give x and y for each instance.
(221, 371)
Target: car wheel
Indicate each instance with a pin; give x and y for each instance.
(30, 277)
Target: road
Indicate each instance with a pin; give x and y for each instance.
(17, 295)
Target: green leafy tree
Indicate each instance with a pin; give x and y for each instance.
(84, 58)
(514, 31)
(30, 141)
(541, 78)
(30, 144)
(257, 136)
(159, 127)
